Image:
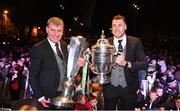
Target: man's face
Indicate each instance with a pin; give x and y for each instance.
(154, 62)
(153, 96)
(78, 77)
(93, 102)
(20, 62)
(81, 99)
(159, 92)
(177, 103)
(54, 32)
(172, 70)
(118, 28)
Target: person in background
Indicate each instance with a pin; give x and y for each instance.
(93, 101)
(16, 81)
(171, 87)
(162, 97)
(175, 104)
(151, 102)
(96, 91)
(48, 63)
(177, 101)
(81, 102)
(77, 82)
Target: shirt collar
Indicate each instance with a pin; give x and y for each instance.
(52, 43)
(115, 41)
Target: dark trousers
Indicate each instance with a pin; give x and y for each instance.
(118, 96)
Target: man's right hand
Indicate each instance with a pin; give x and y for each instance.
(45, 102)
(92, 68)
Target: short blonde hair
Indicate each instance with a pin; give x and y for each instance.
(55, 21)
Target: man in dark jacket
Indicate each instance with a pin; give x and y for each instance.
(124, 75)
(49, 63)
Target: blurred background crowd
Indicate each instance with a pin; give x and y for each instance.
(159, 85)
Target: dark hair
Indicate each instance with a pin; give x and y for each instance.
(92, 97)
(177, 96)
(117, 17)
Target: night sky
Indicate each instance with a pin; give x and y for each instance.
(163, 14)
(154, 17)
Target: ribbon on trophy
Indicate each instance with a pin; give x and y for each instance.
(84, 74)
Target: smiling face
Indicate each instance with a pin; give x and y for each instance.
(55, 29)
(54, 32)
(153, 96)
(118, 26)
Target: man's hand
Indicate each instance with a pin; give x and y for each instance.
(45, 102)
(120, 60)
(92, 68)
(81, 62)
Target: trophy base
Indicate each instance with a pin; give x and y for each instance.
(104, 80)
(62, 103)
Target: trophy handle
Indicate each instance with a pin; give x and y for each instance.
(88, 52)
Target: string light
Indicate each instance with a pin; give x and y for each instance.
(76, 18)
(136, 6)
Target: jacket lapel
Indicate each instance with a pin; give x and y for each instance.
(51, 54)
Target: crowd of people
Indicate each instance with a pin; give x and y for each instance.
(14, 74)
(160, 85)
(158, 73)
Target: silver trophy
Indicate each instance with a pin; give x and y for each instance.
(75, 51)
(102, 57)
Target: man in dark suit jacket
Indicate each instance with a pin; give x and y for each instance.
(124, 74)
(47, 68)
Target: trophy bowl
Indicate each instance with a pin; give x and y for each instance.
(102, 55)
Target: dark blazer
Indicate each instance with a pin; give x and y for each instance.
(135, 55)
(44, 71)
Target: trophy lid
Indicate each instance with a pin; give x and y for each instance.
(102, 42)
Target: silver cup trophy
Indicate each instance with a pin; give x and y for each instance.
(102, 57)
(64, 100)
